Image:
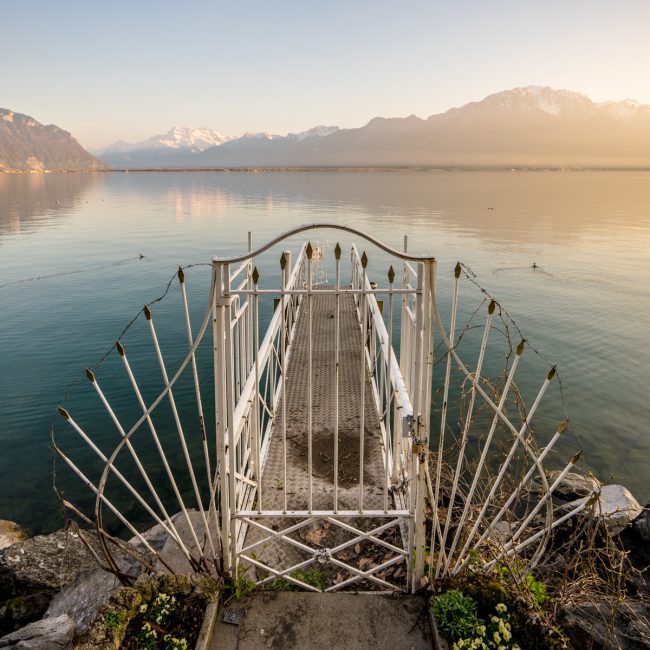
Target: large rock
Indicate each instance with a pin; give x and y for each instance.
(618, 507)
(615, 504)
(10, 533)
(51, 634)
(594, 625)
(573, 485)
(31, 572)
(84, 598)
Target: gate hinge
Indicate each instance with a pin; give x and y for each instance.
(225, 300)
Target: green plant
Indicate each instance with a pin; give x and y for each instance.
(156, 615)
(112, 619)
(240, 586)
(456, 615)
(515, 572)
(537, 590)
(496, 635)
(310, 575)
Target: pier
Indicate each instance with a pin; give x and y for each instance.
(312, 457)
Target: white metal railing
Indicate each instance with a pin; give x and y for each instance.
(204, 486)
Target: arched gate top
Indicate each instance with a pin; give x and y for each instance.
(314, 226)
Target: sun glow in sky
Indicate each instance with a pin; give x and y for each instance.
(128, 70)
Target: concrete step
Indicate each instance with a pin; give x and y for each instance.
(301, 621)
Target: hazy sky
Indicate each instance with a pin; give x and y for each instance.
(131, 69)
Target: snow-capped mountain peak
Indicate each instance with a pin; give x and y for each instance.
(188, 137)
(258, 135)
(319, 131)
(542, 98)
(628, 109)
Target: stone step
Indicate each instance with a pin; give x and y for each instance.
(302, 621)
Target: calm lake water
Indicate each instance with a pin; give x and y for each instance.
(71, 279)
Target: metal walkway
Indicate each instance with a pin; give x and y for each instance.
(278, 554)
(323, 418)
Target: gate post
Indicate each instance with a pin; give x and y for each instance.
(422, 413)
(229, 415)
(219, 411)
(223, 388)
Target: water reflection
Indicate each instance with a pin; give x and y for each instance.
(30, 200)
(517, 206)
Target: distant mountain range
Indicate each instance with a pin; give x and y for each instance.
(196, 147)
(524, 127)
(26, 144)
(534, 126)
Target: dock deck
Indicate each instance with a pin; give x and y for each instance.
(323, 410)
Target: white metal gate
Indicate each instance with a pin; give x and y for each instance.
(317, 470)
(256, 411)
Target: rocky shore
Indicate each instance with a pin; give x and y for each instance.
(52, 589)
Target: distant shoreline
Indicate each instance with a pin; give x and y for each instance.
(324, 169)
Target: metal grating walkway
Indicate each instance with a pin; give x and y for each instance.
(276, 553)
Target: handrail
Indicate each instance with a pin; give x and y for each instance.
(395, 374)
(313, 226)
(263, 352)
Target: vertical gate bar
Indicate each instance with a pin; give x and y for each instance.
(403, 357)
(232, 452)
(257, 430)
(415, 391)
(391, 442)
(430, 269)
(241, 350)
(364, 334)
(283, 368)
(403, 351)
(417, 366)
(391, 398)
(443, 416)
(411, 522)
(310, 496)
(220, 413)
(421, 446)
(250, 335)
(337, 352)
(429, 325)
